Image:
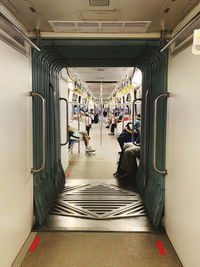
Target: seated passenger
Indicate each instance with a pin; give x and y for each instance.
(109, 122)
(127, 166)
(137, 130)
(120, 117)
(74, 134)
(126, 135)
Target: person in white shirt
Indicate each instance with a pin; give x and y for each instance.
(76, 135)
(114, 124)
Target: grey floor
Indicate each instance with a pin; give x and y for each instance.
(90, 248)
(76, 249)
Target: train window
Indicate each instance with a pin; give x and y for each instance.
(128, 97)
(74, 97)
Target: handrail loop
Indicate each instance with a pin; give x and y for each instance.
(133, 119)
(145, 137)
(155, 134)
(43, 133)
(67, 119)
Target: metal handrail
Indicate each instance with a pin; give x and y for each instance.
(43, 133)
(184, 28)
(145, 137)
(123, 116)
(155, 134)
(133, 119)
(78, 117)
(101, 110)
(55, 130)
(12, 25)
(67, 135)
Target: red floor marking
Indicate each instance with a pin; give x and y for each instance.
(68, 175)
(34, 244)
(99, 159)
(160, 248)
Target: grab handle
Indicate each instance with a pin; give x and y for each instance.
(133, 119)
(155, 134)
(43, 132)
(67, 135)
(145, 137)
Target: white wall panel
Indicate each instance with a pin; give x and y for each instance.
(16, 188)
(182, 200)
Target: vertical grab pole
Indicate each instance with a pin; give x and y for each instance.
(155, 134)
(43, 133)
(123, 116)
(133, 119)
(145, 137)
(101, 109)
(55, 130)
(67, 135)
(78, 117)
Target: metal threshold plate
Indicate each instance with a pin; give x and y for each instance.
(97, 205)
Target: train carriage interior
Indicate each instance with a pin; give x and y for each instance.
(99, 133)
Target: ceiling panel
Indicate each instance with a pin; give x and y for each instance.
(109, 77)
(163, 13)
(100, 26)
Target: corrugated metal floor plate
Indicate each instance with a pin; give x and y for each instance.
(97, 205)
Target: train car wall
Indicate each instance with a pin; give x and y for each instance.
(16, 181)
(182, 213)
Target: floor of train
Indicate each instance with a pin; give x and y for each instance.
(93, 200)
(97, 221)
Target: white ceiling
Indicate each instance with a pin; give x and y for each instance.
(102, 74)
(163, 13)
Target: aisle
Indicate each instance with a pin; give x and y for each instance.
(102, 165)
(108, 219)
(93, 200)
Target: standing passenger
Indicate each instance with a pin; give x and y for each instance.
(92, 116)
(88, 123)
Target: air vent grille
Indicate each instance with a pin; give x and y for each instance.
(12, 38)
(112, 25)
(101, 26)
(64, 24)
(135, 24)
(87, 24)
(187, 33)
(99, 2)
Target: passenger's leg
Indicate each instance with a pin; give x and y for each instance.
(86, 140)
(120, 140)
(85, 137)
(112, 129)
(88, 130)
